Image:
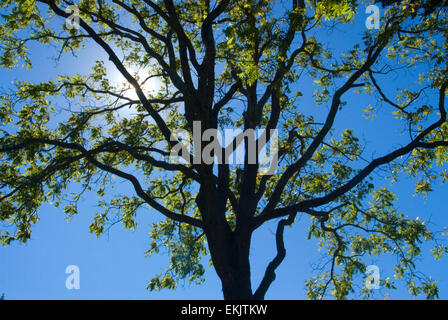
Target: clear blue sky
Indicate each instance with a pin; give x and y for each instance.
(114, 266)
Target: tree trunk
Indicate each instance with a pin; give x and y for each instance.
(238, 285)
(230, 255)
(229, 249)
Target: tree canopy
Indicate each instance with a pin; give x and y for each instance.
(243, 64)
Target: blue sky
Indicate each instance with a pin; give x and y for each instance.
(114, 266)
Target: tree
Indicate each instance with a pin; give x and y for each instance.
(429, 6)
(228, 63)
